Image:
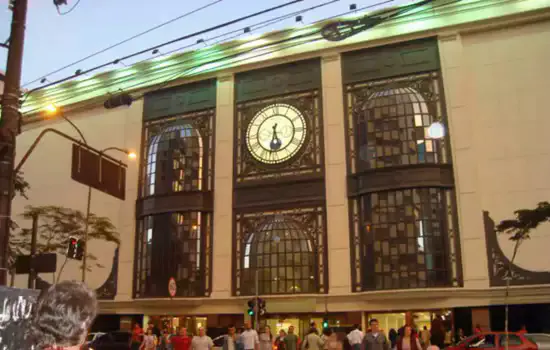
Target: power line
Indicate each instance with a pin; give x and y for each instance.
(240, 31)
(156, 47)
(258, 25)
(68, 11)
(124, 41)
(179, 74)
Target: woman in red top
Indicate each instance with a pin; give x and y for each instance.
(181, 341)
(137, 335)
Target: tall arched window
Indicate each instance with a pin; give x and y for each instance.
(283, 254)
(174, 214)
(174, 160)
(403, 211)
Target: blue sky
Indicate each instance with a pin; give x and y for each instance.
(53, 41)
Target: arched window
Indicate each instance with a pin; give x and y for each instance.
(403, 212)
(174, 161)
(283, 255)
(392, 129)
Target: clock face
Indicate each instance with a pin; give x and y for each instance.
(276, 133)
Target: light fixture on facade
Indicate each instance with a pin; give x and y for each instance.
(436, 130)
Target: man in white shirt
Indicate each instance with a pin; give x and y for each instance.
(355, 337)
(249, 338)
(202, 341)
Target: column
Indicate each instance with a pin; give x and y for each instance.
(456, 81)
(339, 267)
(223, 189)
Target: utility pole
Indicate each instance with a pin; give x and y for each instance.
(32, 272)
(9, 125)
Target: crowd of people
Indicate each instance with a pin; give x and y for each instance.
(408, 337)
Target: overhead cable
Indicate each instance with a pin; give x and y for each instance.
(124, 41)
(69, 10)
(156, 47)
(174, 77)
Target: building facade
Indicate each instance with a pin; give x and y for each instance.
(304, 170)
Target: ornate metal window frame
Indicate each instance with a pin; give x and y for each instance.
(313, 222)
(195, 237)
(202, 123)
(310, 160)
(368, 178)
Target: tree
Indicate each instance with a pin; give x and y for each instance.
(56, 225)
(519, 230)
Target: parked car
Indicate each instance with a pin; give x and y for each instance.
(496, 341)
(120, 340)
(542, 340)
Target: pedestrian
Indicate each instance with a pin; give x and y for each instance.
(355, 337)
(409, 340)
(202, 341)
(150, 340)
(137, 336)
(393, 336)
(425, 337)
(230, 339)
(312, 341)
(60, 318)
(331, 341)
(375, 339)
(280, 340)
(460, 335)
(291, 339)
(266, 339)
(249, 338)
(437, 332)
(240, 344)
(181, 341)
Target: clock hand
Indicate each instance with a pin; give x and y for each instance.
(275, 141)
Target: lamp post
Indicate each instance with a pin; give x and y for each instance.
(53, 110)
(131, 155)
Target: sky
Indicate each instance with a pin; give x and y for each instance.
(53, 41)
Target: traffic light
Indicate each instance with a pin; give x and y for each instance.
(261, 307)
(325, 322)
(251, 305)
(75, 250)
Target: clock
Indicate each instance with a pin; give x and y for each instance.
(276, 133)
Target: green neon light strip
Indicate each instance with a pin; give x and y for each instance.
(153, 72)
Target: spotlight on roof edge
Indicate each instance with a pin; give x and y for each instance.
(118, 100)
(341, 30)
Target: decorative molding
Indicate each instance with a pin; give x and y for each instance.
(422, 175)
(175, 202)
(108, 289)
(278, 80)
(499, 265)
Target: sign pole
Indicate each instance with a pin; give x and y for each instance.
(257, 303)
(32, 272)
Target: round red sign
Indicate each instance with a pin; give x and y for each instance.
(172, 287)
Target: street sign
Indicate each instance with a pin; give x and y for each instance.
(99, 171)
(43, 263)
(172, 287)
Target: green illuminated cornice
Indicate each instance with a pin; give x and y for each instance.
(429, 19)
